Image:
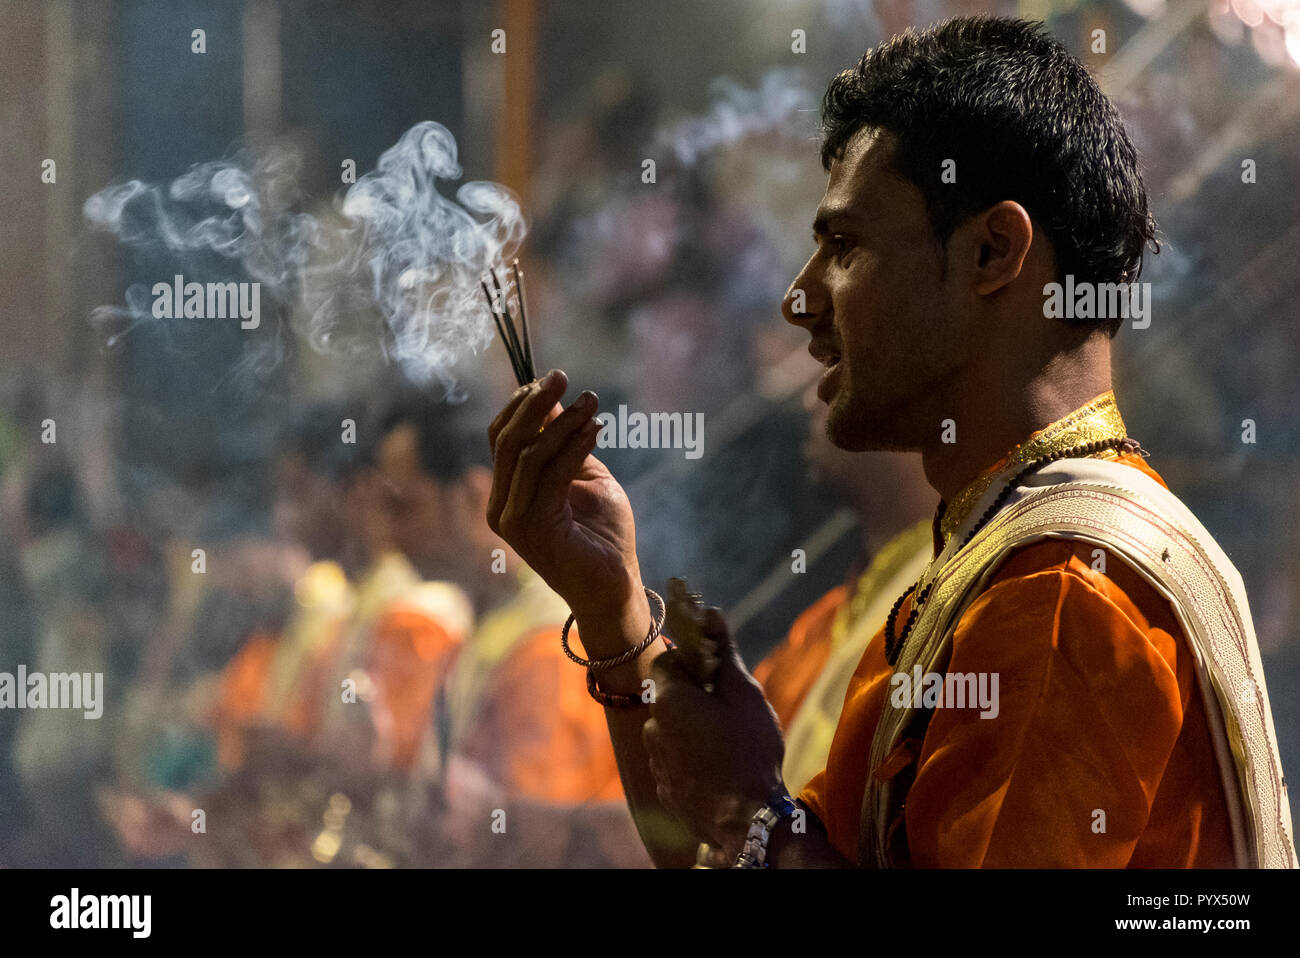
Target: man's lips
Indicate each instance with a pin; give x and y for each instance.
(823, 354)
(826, 384)
(829, 357)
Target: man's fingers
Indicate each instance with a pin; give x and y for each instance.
(665, 797)
(650, 739)
(538, 404)
(654, 752)
(499, 421)
(536, 455)
(712, 856)
(528, 405)
(529, 414)
(730, 665)
(552, 482)
(670, 673)
(668, 666)
(715, 625)
(566, 440)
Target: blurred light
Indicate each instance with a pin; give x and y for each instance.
(369, 857)
(326, 846)
(1035, 9)
(1275, 27)
(334, 819)
(1225, 24)
(1147, 8)
(365, 687)
(1270, 44)
(1280, 11)
(1250, 12)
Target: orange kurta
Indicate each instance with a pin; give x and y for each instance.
(792, 668)
(538, 732)
(1099, 715)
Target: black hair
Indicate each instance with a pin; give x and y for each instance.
(448, 439)
(1022, 119)
(316, 434)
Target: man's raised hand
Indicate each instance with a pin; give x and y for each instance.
(559, 507)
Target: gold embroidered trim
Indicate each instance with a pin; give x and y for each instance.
(1095, 421)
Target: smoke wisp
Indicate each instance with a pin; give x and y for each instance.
(393, 268)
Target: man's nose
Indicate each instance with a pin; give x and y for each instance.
(805, 300)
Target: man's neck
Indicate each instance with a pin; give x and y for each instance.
(993, 421)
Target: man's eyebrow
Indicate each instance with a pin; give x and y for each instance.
(825, 218)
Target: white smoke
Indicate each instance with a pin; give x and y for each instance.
(781, 103)
(395, 270)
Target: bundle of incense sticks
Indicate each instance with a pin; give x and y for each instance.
(519, 347)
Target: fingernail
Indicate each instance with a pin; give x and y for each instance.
(551, 379)
(587, 400)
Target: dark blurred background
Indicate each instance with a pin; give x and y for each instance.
(663, 296)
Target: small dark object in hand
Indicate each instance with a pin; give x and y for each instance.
(517, 341)
(684, 624)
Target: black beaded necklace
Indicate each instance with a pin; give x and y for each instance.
(893, 646)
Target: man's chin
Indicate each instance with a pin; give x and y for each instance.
(855, 431)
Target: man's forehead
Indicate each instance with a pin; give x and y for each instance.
(857, 178)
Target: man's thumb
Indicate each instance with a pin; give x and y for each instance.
(715, 628)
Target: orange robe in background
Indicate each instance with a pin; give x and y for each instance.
(538, 732)
(519, 709)
(525, 717)
(414, 644)
(272, 680)
(1099, 715)
(243, 692)
(791, 669)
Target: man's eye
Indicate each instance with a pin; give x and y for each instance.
(836, 244)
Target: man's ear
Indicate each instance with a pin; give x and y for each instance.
(1003, 235)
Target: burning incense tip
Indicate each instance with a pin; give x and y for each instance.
(523, 312)
(520, 351)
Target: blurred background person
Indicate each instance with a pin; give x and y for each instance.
(520, 731)
(341, 700)
(268, 686)
(59, 755)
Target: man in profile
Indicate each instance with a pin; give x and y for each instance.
(972, 165)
